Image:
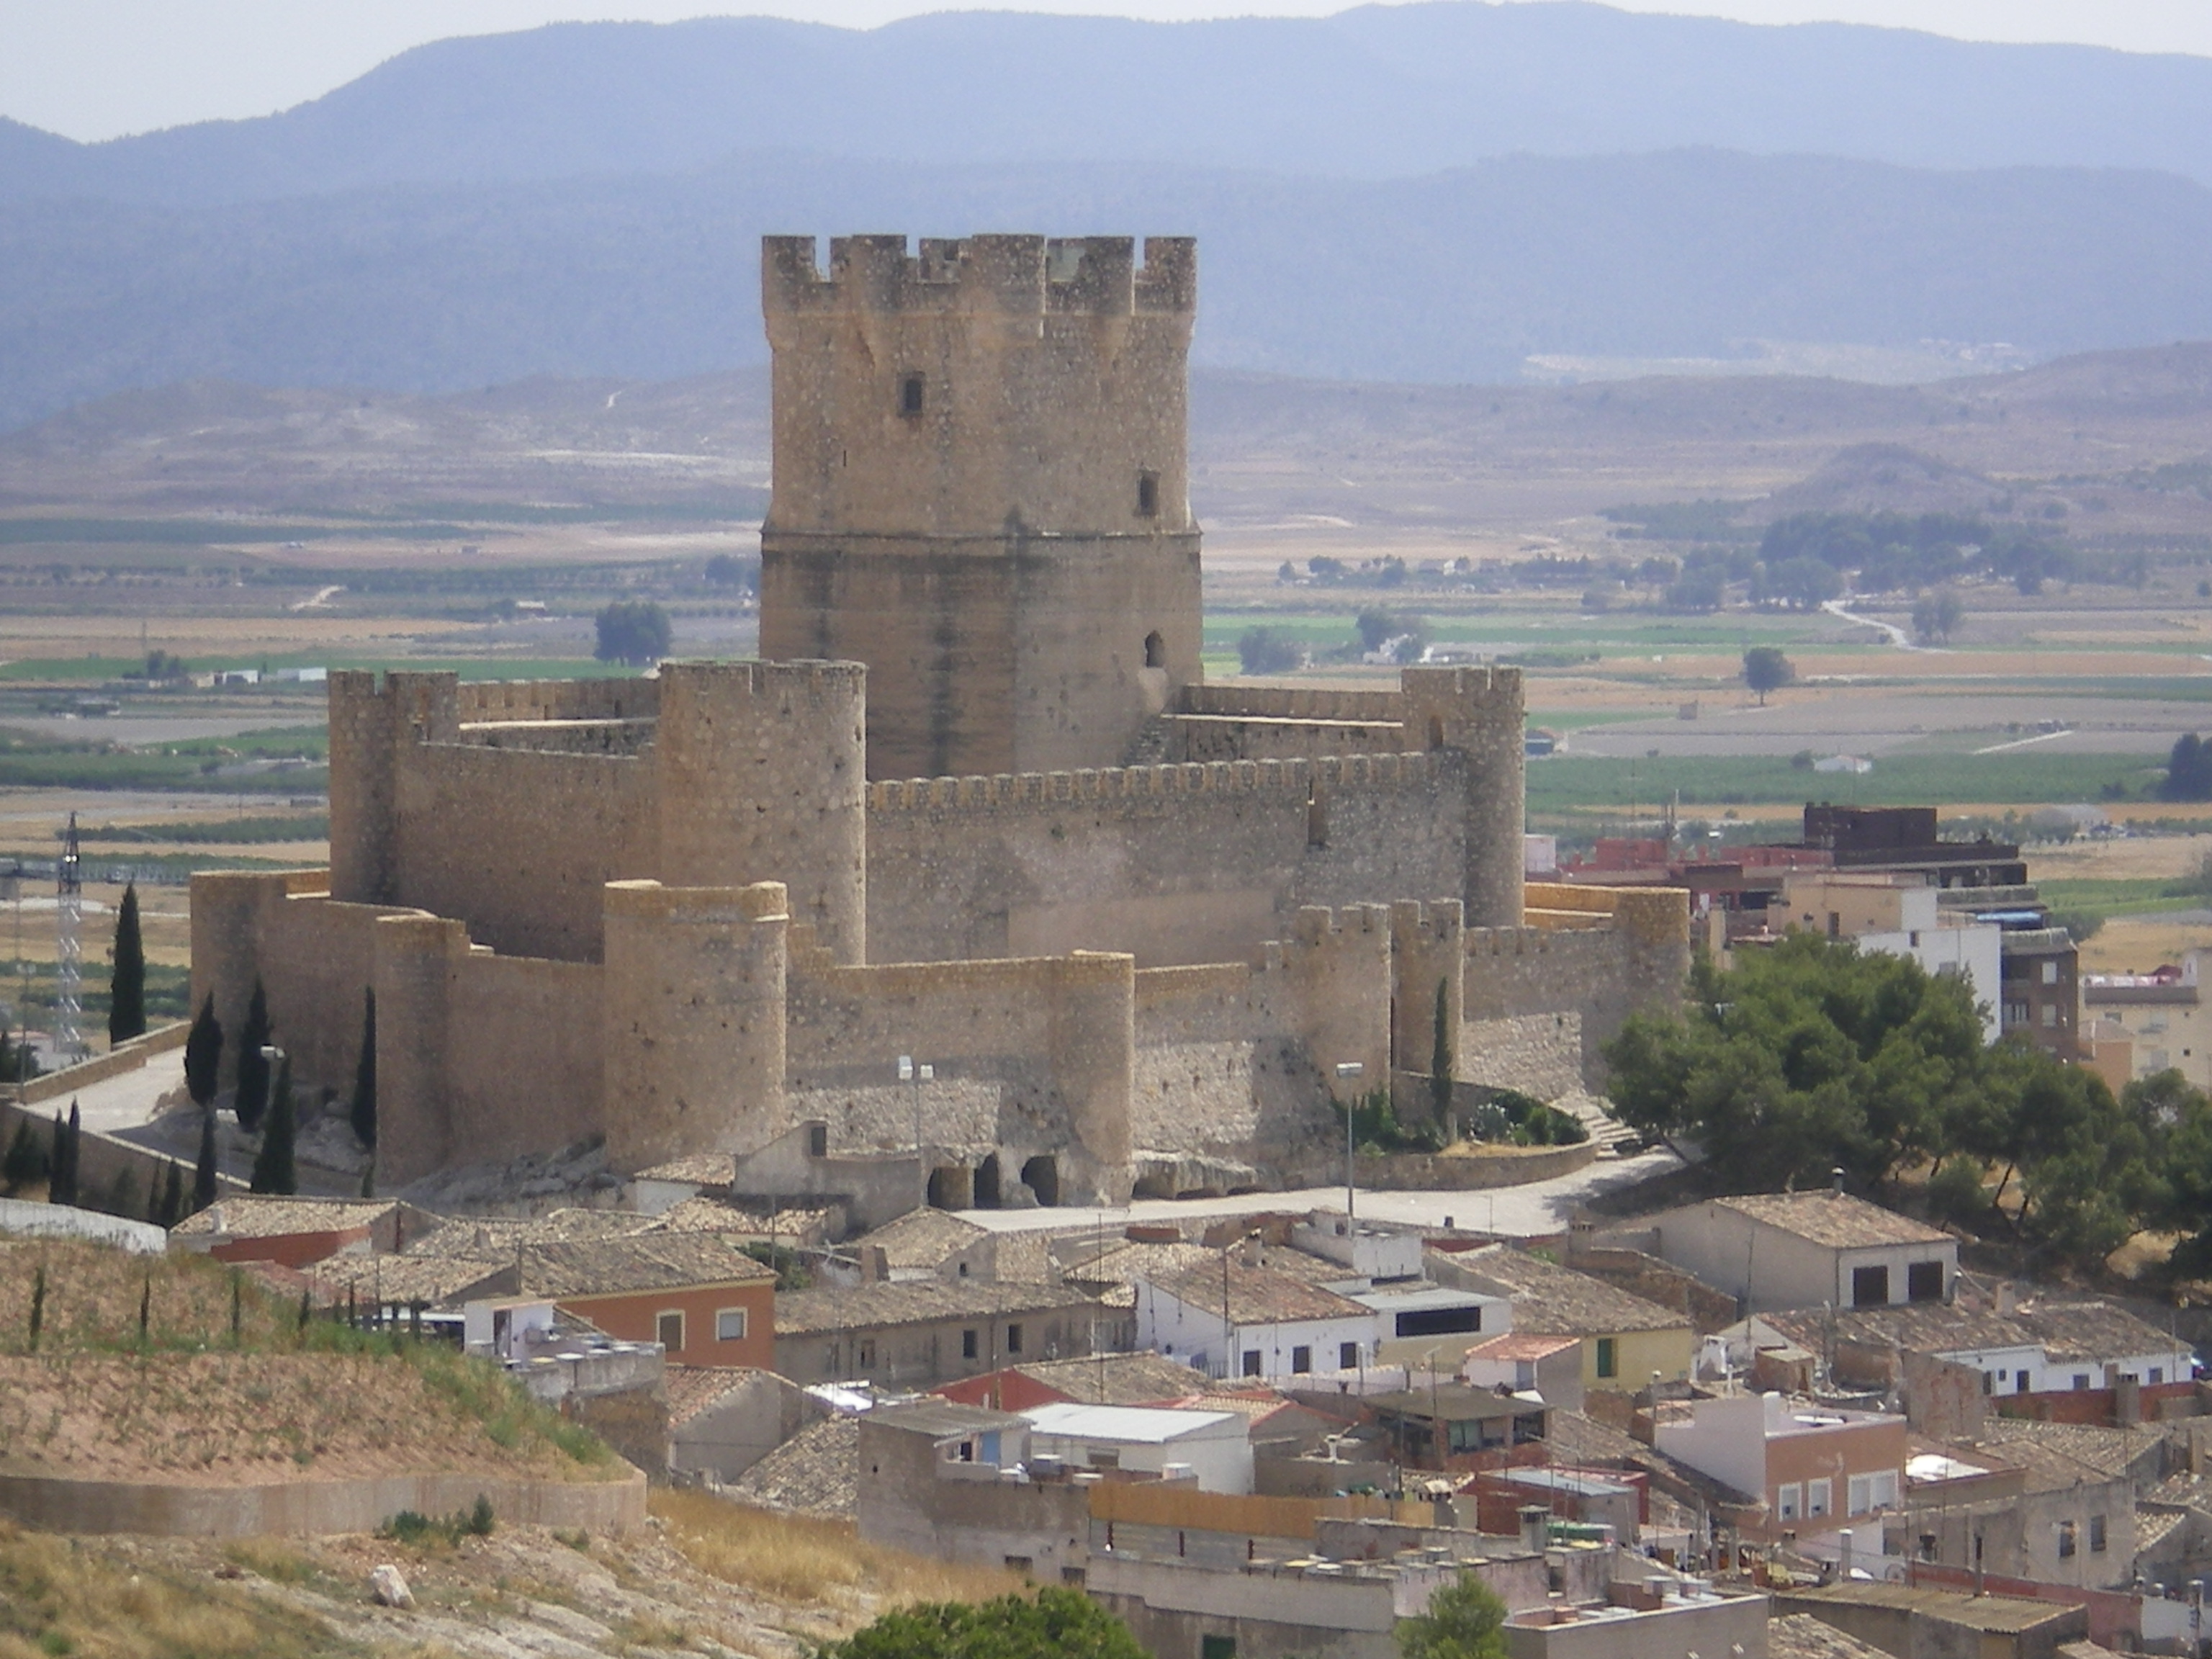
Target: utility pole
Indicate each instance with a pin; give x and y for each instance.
(68, 950)
(1350, 1071)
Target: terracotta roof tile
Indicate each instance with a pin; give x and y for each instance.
(1836, 1221)
(810, 1474)
(1254, 1295)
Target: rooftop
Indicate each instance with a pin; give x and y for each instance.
(1452, 1402)
(810, 1474)
(702, 1214)
(920, 1238)
(1998, 1614)
(1838, 1220)
(432, 1279)
(1522, 1345)
(941, 1418)
(1117, 1379)
(263, 1217)
(651, 1262)
(1135, 1424)
(706, 1169)
(1801, 1636)
(911, 1302)
(1554, 1301)
(2082, 1331)
(1254, 1295)
(692, 1388)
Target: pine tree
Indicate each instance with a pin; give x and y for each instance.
(203, 1056)
(1440, 1060)
(272, 1167)
(204, 1186)
(364, 1075)
(127, 983)
(252, 1063)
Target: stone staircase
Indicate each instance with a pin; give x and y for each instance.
(1613, 1138)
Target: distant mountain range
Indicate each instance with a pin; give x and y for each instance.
(1378, 92)
(1426, 193)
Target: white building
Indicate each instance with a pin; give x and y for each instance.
(1777, 1250)
(1214, 1447)
(1229, 1318)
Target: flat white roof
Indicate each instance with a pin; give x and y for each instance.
(1137, 1424)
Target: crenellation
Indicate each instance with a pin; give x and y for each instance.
(1094, 276)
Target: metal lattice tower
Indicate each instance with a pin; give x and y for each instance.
(68, 950)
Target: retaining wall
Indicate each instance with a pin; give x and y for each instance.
(53, 1504)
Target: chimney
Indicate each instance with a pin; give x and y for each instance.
(1535, 1527)
(1843, 1555)
(2007, 1300)
(1836, 1181)
(1251, 1252)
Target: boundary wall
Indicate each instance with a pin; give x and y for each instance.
(56, 1504)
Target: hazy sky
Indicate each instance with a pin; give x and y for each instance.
(92, 69)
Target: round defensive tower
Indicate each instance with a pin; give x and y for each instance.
(763, 778)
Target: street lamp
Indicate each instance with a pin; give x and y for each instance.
(1349, 1071)
(909, 1073)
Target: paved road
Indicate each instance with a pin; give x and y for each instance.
(1538, 1209)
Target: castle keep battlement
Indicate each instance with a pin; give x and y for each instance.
(1295, 777)
(1090, 276)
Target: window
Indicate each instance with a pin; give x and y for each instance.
(668, 1328)
(1786, 1501)
(1870, 1288)
(1878, 1490)
(1217, 1647)
(1156, 649)
(1347, 1356)
(1071, 1575)
(2051, 973)
(2157, 1375)
(1858, 1493)
(1885, 1489)
(2051, 1013)
(969, 1347)
(1439, 1321)
(2015, 1013)
(730, 1325)
(2020, 1382)
(1020, 1564)
(1301, 1360)
(868, 1354)
(910, 394)
(1819, 1496)
(1013, 1339)
(2097, 1535)
(1148, 494)
(2065, 1540)
(1924, 1282)
(1251, 1362)
(1608, 1356)
(2080, 1379)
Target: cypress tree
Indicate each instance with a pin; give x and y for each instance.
(61, 1175)
(127, 983)
(1440, 1061)
(204, 1173)
(252, 1065)
(169, 1196)
(27, 1161)
(203, 1056)
(364, 1075)
(272, 1167)
(76, 1153)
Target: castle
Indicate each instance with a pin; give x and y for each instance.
(975, 806)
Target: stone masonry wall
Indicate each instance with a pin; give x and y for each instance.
(1171, 864)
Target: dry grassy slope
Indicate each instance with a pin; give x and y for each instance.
(95, 1402)
(703, 1578)
(1263, 447)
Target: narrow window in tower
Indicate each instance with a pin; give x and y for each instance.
(1148, 494)
(1156, 650)
(910, 394)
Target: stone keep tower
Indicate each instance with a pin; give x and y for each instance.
(980, 491)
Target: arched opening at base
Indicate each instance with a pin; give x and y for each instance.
(987, 1184)
(1156, 650)
(950, 1187)
(1041, 1176)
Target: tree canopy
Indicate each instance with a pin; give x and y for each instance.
(1812, 1055)
(1765, 669)
(1465, 1620)
(2188, 770)
(1057, 1624)
(633, 631)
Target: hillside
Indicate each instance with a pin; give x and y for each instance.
(189, 1404)
(2090, 433)
(1375, 92)
(1458, 276)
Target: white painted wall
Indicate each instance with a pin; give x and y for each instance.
(1975, 952)
(1167, 1325)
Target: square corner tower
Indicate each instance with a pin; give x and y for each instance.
(981, 491)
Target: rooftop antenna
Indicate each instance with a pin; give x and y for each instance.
(68, 948)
